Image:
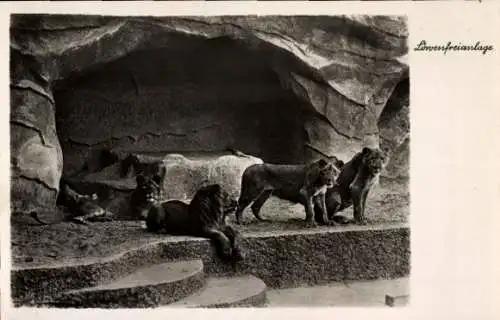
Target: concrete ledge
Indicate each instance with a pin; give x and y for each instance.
(313, 256)
(281, 259)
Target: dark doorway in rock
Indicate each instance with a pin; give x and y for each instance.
(195, 95)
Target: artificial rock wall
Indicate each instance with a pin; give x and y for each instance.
(279, 88)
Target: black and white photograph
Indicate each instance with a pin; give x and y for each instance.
(209, 161)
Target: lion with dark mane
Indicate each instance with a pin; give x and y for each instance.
(299, 183)
(204, 217)
(356, 179)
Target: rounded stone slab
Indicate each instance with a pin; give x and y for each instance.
(397, 300)
(224, 292)
(147, 287)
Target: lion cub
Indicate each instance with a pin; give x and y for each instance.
(299, 183)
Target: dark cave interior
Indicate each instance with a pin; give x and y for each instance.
(201, 96)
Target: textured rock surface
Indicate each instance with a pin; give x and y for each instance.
(36, 154)
(280, 258)
(394, 127)
(185, 176)
(198, 84)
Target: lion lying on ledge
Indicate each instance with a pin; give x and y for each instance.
(203, 217)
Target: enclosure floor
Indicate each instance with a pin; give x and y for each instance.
(34, 245)
(339, 294)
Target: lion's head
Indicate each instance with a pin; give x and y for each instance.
(146, 194)
(208, 204)
(326, 173)
(336, 162)
(374, 160)
(229, 203)
(148, 188)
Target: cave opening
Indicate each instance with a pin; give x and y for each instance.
(196, 95)
(399, 99)
(394, 128)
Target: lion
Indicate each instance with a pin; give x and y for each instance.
(356, 179)
(82, 208)
(145, 195)
(73, 206)
(299, 183)
(135, 206)
(204, 217)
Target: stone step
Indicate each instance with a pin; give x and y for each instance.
(380, 251)
(224, 292)
(148, 287)
(397, 295)
(397, 299)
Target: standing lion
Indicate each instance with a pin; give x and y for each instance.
(298, 183)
